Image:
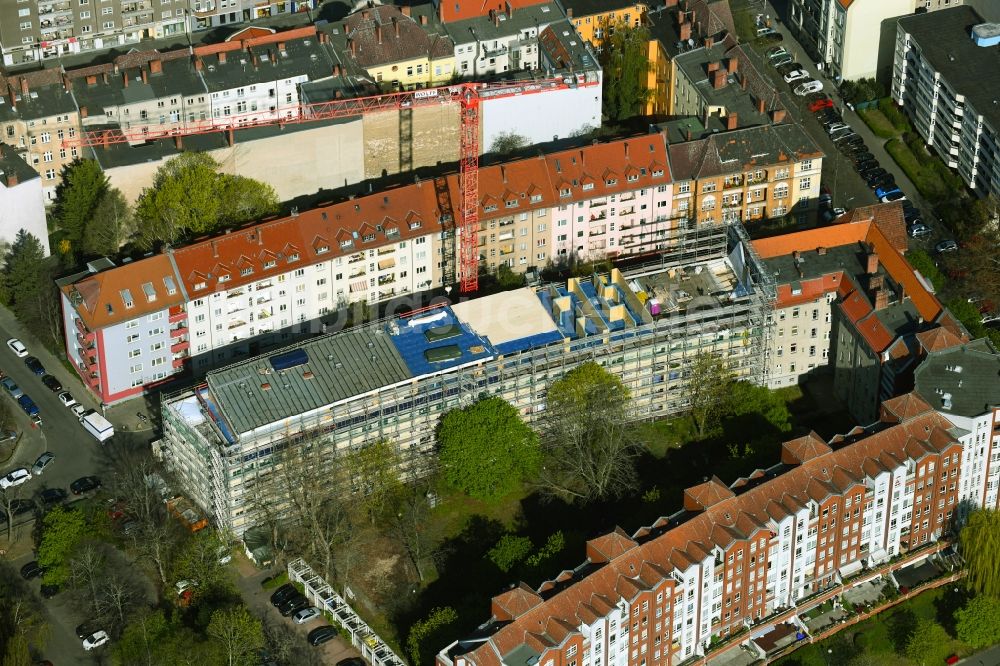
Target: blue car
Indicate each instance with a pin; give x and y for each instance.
(35, 365)
(885, 191)
(28, 405)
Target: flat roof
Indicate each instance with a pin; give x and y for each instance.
(437, 340)
(968, 375)
(945, 41)
(511, 320)
(251, 394)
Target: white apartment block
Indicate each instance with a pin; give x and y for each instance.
(946, 81)
(22, 200)
(503, 41)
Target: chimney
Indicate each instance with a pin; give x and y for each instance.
(281, 46)
(743, 81)
(423, 19)
(336, 69)
(732, 121)
(719, 79)
(569, 12)
(705, 117)
(199, 64)
(116, 67)
(689, 134)
(685, 32)
(876, 282)
(395, 24)
(322, 37)
(145, 76)
(351, 44)
(503, 174)
(405, 10)
(821, 251)
(709, 42)
(156, 66)
(777, 116)
(733, 65)
(91, 79)
(712, 66)
(496, 19)
(222, 57)
(378, 33)
(67, 82)
(760, 106)
(260, 236)
(11, 179)
(83, 112)
(24, 87)
(881, 299)
(255, 60)
(871, 265)
(125, 79)
(365, 14)
(680, 17)
(215, 250)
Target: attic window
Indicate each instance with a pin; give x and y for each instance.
(322, 249)
(294, 256)
(270, 263)
(490, 208)
(632, 177)
(415, 224)
(199, 285)
(345, 244)
(111, 310)
(611, 182)
(511, 204)
(564, 192)
(536, 198)
(224, 277)
(168, 282)
(391, 232)
(588, 186)
(147, 288)
(127, 298)
(657, 173)
(246, 271)
(368, 238)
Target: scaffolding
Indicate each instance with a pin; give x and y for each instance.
(652, 359)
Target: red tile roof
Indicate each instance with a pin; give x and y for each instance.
(733, 518)
(937, 339)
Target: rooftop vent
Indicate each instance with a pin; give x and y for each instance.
(986, 34)
(946, 401)
(953, 368)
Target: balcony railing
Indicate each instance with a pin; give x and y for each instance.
(178, 331)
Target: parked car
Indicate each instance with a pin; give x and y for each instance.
(306, 614)
(43, 461)
(782, 60)
(831, 214)
(352, 661)
(772, 36)
(861, 157)
(886, 182)
(777, 52)
(919, 230)
(20, 506)
(946, 246)
(892, 196)
(820, 104)
(807, 87)
(95, 640)
(52, 496)
(321, 635)
(845, 136)
(31, 570)
(78, 410)
(795, 75)
(293, 604)
(67, 399)
(17, 347)
(849, 143)
(910, 213)
(52, 383)
(872, 173)
(35, 365)
(12, 389)
(837, 126)
(15, 478)
(865, 165)
(84, 485)
(282, 593)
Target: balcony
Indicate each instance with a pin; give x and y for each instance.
(137, 20)
(176, 314)
(598, 231)
(178, 362)
(178, 347)
(204, 9)
(178, 331)
(92, 368)
(55, 8)
(90, 353)
(94, 382)
(506, 236)
(354, 258)
(84, 342)
(234, 294)
(595, 218)
(239, 323)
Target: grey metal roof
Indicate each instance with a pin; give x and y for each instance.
(343, 365)
(970, 374)
(12, 162)
(268, 63)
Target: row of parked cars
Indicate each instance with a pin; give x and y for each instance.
(290, 602)
(793, 73)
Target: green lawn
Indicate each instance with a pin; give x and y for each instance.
(924, 176)
(878, 123)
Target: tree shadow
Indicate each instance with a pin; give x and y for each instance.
(953, 599)
(901, 625)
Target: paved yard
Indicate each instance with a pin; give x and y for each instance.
(740, 656)
(866, 593)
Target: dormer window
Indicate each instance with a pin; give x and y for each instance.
(147, 289)
(657, 173)
(611, 182)
(127, 298)
(564, 192)
(248, 270)
(588, 186)
(536, 198)
(168, 282)
(294, 256)
(415, 224)
(632, 177)
(512, 203)
(392, 232)
(490, 208)
(224, 277)
(270, 263)
(345, 244)
(322, 249)
(368, 238)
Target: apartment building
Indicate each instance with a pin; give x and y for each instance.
(506, 41)
(37, 113)
(746, 175)
(593, 18)
(449, 11)
(132, 326)
(944, 78)
(734, 555)
(392, 379)
(47, 29)
(205, 14)
(959, 381)
(22, 201)
(812, 268)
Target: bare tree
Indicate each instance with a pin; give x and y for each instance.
(413, 528)
(121, 593)
(88, 570)
(708, 380)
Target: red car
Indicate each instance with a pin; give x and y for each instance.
(820, 104)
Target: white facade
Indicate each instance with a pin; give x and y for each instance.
(801, 342)
(554, 114)
(476, 58)
(257, 102)
(22, 202)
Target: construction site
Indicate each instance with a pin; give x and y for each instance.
(392, 379)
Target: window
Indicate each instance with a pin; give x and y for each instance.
(109, 25)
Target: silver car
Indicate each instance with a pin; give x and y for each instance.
(305, 615)
(43, 461)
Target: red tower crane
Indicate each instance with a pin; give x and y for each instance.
(467, 95)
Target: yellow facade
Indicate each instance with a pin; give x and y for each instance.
(593, 26)
(659, 81)
(415, 73)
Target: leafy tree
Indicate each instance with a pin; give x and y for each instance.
(198, 559)
(239, 634)
(506, 143)
(428, 635)
(143, 640)
(590, 452)
(62, 530)
(22, 623)
(625, 60)
(190, 196)
(744, 398)
(978, 623)
(929, 643)
(709, 381)
(509, 551)
(553, 546)
(508, 279)
(486, 450)
(980, 542)
(22, 264)
(82, 186)
(375, 479)
(28, 287)
(110, 226)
